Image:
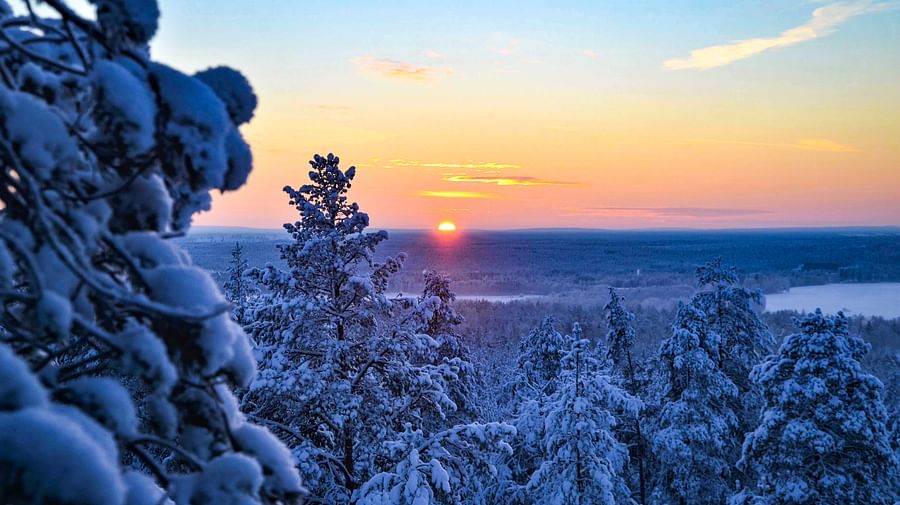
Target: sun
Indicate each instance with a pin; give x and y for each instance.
(447, 226)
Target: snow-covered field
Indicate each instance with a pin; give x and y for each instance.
(869, 299)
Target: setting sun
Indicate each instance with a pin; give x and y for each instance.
(446, 226)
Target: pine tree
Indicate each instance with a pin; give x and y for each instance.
(442, 326)
(746, 340)
(822, 439)
(694, 435)
(537, 370)
(538, 362)
(237, 291)
(620, 342)
(582, 460)
(345, 371)
(118, 359)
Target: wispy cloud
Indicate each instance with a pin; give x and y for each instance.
(823, 145)
(393, 69)
(434, 55)
(507, 181)
(589, 53)
(824, 21)
(666, 212)
(477, 165)
(455, 194)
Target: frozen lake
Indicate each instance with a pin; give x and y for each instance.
(874, 299)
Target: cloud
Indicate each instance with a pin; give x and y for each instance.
(393, 69)
(507, 181)
(823, 145)
(662, 212)
(824, 21)
(434, 55)
(478, 165)
(455, 194)
(589, 53)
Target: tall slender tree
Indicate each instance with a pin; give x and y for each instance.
(731, 312)
(620, 355)
(237, 291)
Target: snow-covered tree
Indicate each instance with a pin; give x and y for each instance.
(731, 313)
(582, 460)
(822, 439)
(237, 290)
(620, 356)
(442, 326)
(117, 355)
(539, 360)
(538, 366)
(451, 466)
(694, 435)
(343, 368)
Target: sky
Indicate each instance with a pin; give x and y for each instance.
(522, 114)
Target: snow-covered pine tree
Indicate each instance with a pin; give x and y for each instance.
(451, 466)
(582, 460)
(746, 340)
(537, 369)
(822, 439)
(237, 291)
(117, 355)
(442, 326)
(621, 359)
(539, 360)
(343, 369)
(694, 435)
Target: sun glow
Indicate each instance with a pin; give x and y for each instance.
(447, 226)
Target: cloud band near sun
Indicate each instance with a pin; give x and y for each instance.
(456, 194)
(507, 181)
(393, 69)
(824, 21)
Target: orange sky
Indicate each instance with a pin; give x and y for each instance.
(786, 118)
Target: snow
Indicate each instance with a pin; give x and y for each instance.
(233, 89)
(124, 106)
(54, 313)
(18, 387)
(105, 400)
(143, 491)
(37, 135)
(230, 479)
(136, 20)
(48, 458)
(276, 460)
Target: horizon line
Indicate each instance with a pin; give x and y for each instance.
(886, 227)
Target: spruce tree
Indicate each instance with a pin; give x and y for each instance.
(745, 339)
(582, 460)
